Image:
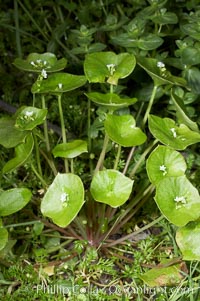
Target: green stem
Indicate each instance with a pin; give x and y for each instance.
(133, 207)
(142, 158)
(37, 153)
(46, 136)
(101, 218)
(50, 162)
(89, 125)
(128, 160)
(80, 227)
(21, 224)
(63, 129)
(102, 155)
(117, 157)
(111, 88)
(39, 176)
(153, 94)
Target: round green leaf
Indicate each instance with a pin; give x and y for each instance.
(159, 74)
(63, 199)
(165, 162)
(110, 100)
(167, 132)
(9, 135)
(111, 187)
(36, 62)
(187, 239)
(70, 149)
(3, 237)
(59, 83)
(22, 153)
(178, 200)
(29, 117)
(13, 200)
(99, 66)
(122, 130)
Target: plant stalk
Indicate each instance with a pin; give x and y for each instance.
(102, 155)
(46, 136)
(63, 129)
(117, 157)
(153, 94)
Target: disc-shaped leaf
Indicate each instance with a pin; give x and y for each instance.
(9, 135)
(3, 237)
(63, 199)
(178, 200)
(122, 130)
(22, 153)
(36, 62)
(13, 200)
(188, 238)
(110, 100)
(70, 149)
(111, 187)
(59, 83)
(167, 132)
(165, 162)
(29, 117)
(99, 66)
(158, 72)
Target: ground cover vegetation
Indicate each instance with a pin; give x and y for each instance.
(99, 148)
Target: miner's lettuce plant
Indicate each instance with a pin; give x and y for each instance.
(95, 207)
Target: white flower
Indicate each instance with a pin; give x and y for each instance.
(44, 73)
(180, 199)
(173, 132)
(163, 168)
(38, 61)
(160, 65)
(111, 68)
(63, 197)
(29, 113)
(60, 86)
(32, 63)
